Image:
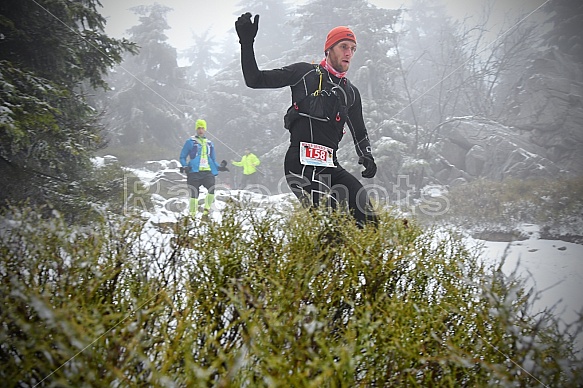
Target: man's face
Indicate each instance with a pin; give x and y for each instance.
(340, 55)
(200, 131)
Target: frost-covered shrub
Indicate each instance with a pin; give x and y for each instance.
(264, 300)
(516, 201)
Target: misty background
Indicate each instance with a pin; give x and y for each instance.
(442, 94)
(453, 92)
(475, 117)
(189, 17)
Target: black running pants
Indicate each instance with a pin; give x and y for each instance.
(334, 187)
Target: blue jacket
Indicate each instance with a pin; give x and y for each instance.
(192, 149)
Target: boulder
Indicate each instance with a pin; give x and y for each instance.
(109, 160)
(176, 205)
(479, 148)
(548, 106)
(168, 188)
(458, 182)
(475, 159)
(154, 165)
(454, 153)
(171, 175)
(173, 164)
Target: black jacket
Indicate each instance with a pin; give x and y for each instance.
(309, 119)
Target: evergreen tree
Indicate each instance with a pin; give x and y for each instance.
(254, 118)
(505, 66)
(431, 62)
(275, 35)
(566, 17)
(544, 100)
(48, 133)
(203, 60)
(151, 106)
(242, 117)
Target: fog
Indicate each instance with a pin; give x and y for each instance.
(475, 69)
(218, 17)
(475, 128)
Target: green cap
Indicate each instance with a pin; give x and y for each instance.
(200, 123)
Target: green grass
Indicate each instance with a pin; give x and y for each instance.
(304, 300)
(555, 204)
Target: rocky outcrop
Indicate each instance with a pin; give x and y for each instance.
(169, 184)
(542, 135)
(158, 165)
(475, 148)
(548, 108)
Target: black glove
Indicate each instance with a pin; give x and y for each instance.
(370, 167)
(223, 166)
(246, 29)
(184, 169)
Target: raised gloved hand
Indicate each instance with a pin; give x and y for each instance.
(246, 29)
(370, 167)
(223, 166)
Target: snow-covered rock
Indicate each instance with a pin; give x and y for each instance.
(485, 149)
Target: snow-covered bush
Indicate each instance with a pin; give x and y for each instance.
(555, 204)
(306, 299)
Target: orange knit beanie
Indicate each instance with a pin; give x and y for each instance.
(338, 34)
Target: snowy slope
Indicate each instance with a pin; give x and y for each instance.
(553, 268)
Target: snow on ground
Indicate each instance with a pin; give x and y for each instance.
(553, 268)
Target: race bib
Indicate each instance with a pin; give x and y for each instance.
(316, 155)
(204, 163)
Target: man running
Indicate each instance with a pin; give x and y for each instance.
(323, 101)
(197, 159)
(249, 162)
